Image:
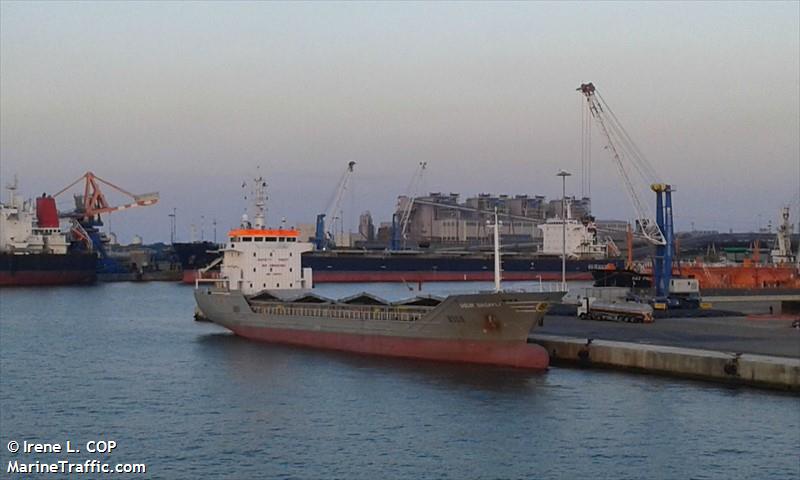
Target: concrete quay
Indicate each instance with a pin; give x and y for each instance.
(736, 350)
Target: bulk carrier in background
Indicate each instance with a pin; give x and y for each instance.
(584, 255)
(34, 250)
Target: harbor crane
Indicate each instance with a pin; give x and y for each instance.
(630, 161)
(86, 218)
(324, 237)
(400, 231)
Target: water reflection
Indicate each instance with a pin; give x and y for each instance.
(250, 360)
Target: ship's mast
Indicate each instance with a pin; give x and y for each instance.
(12, 191)
(258, 195)
(260, 203)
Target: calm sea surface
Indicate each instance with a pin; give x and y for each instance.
(126, 362)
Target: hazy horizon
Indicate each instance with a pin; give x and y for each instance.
(189, 98)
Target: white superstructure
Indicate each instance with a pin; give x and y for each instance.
(257, 258)
(580, 241)
(263, 259)
(20, 232)
(782, 253)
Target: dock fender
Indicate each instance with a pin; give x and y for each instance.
(732, 366)
(584, 355)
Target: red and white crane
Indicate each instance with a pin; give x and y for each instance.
(93, 202)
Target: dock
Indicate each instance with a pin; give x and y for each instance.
(758, 351)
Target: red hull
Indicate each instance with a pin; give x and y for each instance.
(512, 354)
(412, 277)
(33, 278)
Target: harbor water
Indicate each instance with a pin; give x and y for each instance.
(126, 362)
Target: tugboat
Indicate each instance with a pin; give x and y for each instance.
(263, 293)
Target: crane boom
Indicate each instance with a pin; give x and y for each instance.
(625, 155)
(416, 181)
(93, 202)
(341, 188)
(86, 216)
(324, 237)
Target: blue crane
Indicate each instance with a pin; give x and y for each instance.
(634, 168)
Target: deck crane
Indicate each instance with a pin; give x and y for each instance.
(400, 231)
(88, 208)
(324, 237)
(630, 160)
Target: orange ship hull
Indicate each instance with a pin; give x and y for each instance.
(745, 276)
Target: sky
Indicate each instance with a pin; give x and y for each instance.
(190, 98)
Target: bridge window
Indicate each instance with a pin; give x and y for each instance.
(281, 239)
(258, 239)
(270, 239)
(247, 239)
(291, 239)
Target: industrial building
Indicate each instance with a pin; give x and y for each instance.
(442, 220)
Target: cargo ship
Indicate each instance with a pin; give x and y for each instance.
(264, 293)
(584, 255)
(747, 275)
(193, 256)
(779, 269)
(342, 266)
(34, 250)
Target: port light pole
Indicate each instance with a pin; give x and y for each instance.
(496, 252)
(172, 226)
(563, 174)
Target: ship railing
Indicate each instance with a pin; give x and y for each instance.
(343, 313)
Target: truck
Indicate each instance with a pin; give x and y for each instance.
(686, 291)
(592, 308)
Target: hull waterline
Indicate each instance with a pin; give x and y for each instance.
(511, 354)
